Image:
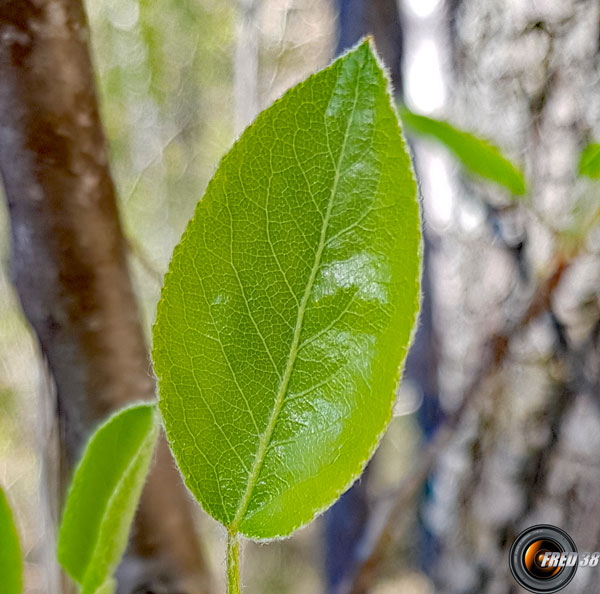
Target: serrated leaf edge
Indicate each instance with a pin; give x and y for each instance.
(366, 41)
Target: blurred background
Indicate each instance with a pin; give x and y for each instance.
(497, 423)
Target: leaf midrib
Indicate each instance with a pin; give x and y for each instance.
(266, 437)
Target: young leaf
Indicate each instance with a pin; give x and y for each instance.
(289, 304)
(11, 565)
(103, 496)
(589, 162)
(477, 155)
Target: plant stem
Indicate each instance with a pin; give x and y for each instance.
(233, 563)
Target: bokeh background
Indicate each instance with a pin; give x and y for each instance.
(498, 417)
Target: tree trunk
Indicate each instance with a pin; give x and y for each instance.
(70, 268)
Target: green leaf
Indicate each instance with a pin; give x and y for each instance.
(589, 162)
(477, 155)
(104, 494)
(289, 304)
(11, 565)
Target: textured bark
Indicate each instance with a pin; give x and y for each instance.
(69, 261)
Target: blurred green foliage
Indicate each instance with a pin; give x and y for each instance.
(477, 155)
(11, 579)
(103, 497)
(589, 162)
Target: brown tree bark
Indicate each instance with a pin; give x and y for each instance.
(70, 267)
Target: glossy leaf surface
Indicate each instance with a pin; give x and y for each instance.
(289, 304)
(477, 155)
(103, 496)
(11, 565)
(589, 163)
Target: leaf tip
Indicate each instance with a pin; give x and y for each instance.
(368, 41)
(366, 48)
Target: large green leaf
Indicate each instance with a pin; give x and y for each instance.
(11, 565)
(589, 162)
(477, 155)
(289, 304)
(103, 496)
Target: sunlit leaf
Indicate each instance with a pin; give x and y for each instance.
(477, 155)
(103, 496)
(289, 304)
(589, 162)
(11, 565)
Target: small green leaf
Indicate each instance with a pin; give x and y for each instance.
(11, 564)
(477, 155)
(289, 304)
(589, 162)
(104, 494)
